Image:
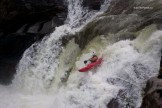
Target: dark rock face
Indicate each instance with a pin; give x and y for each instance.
(22, 22)
(153, 91)
(120, 6)
(113, 104)
(153, 97)
(161, 60)
(15, 13)
(93, 4)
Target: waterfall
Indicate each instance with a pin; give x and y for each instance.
(127, 65)
(38, 67)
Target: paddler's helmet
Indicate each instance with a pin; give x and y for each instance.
(94, 54)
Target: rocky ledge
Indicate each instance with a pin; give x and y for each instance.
(23, 22)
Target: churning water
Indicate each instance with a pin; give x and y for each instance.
(127, 65)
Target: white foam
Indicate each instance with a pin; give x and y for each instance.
(124, 68)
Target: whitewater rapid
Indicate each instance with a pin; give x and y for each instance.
(96, 88)
(127, 65)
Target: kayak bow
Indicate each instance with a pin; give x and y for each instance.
(91, 65)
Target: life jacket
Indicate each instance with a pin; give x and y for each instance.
(93, 59)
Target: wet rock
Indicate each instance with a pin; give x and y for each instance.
(159, 26)
(93, 4)
(7, 69)
(113, 104)
(23, 22)
(121, 101)
(30, 16)
(161, 60)
(120, 6)
(34, 28)
(153, 92)
(17, 13)
(15, 44)
(140, 7)
(46, 27)
(153, 97)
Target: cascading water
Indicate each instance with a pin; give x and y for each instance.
(123, 74)
(39, 62)
(37, 68)
(126, 67)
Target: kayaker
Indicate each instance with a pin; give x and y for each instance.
(93, 59)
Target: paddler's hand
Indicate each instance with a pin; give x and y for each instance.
(85, 61)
